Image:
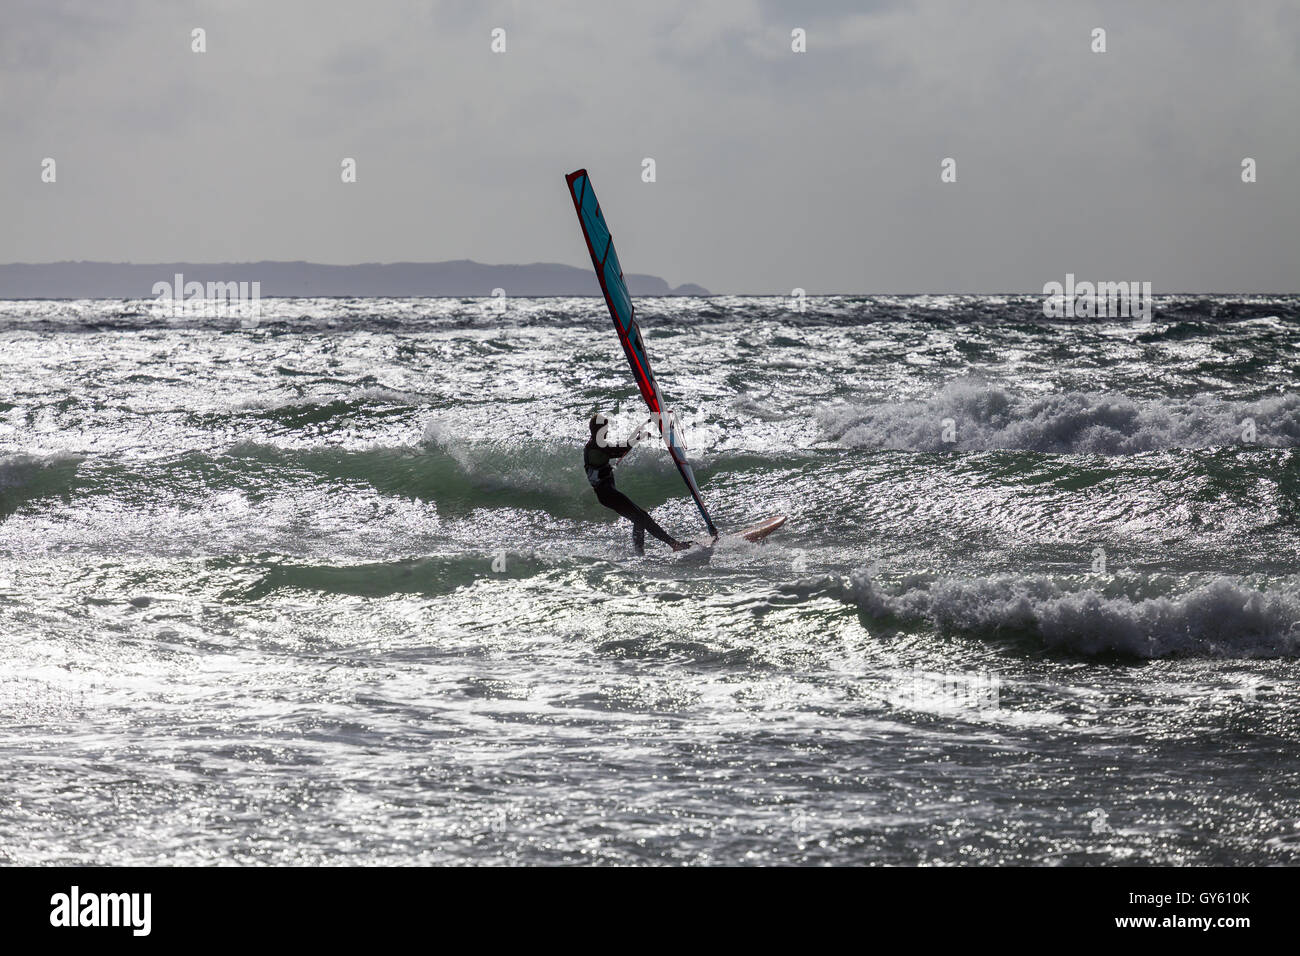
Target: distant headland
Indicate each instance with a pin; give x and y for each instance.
(460, 277)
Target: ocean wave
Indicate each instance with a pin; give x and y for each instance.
(978, 416)
(429, 577)
(316, 408)
(443, 468)
(1224, 618)
(28, 477)
(456, 477)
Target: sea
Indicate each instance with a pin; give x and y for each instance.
(327, 585)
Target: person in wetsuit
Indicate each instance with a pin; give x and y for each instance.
(597, 457)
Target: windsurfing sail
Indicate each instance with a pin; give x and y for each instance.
(605, 261)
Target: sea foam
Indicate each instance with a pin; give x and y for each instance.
(985, 417)
(1223, 617)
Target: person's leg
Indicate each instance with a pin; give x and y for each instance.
(625, 506)
(638, 538)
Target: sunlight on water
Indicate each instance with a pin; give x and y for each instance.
(334, 589)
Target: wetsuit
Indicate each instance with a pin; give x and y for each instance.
(600, 473)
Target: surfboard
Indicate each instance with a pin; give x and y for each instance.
(760, 531)
(756, 534)
(701, 552)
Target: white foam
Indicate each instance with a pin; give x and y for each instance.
(987, 417)
(1221, 618)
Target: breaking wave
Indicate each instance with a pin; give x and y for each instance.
(977, 416)
(1222, 618)
(29, 477)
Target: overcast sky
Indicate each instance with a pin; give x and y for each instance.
(774, 169)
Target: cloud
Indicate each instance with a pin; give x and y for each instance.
(775, 169)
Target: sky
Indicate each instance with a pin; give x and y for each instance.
(774, 170)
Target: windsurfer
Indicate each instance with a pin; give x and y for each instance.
(598, 457)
